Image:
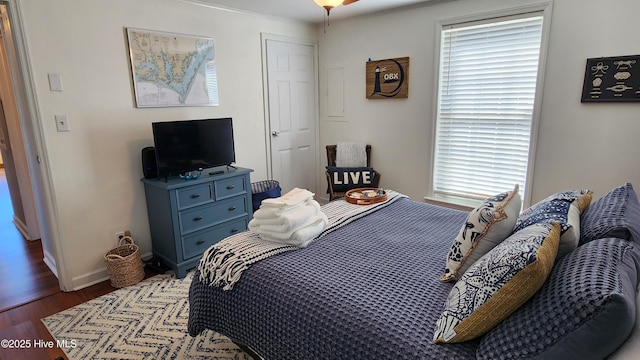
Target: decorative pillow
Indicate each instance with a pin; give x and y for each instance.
(485, 227)
(616, 214)
(565, 207)
(499, 283)
(345, 178)
(585, 310)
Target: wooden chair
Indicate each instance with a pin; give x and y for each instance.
(331, 161)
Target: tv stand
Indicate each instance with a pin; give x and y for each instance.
(187, 217)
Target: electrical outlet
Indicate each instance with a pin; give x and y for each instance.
(119, 236)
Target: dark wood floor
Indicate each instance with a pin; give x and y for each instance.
(22, 322)
(23, 274)
(29, 291)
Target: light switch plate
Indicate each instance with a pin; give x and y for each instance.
(55, 82)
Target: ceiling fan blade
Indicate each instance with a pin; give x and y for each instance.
(347, 2)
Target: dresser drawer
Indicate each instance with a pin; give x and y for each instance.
(194, 195)
(229, 187)
(195, 244)
(187, 217)
(207, 215)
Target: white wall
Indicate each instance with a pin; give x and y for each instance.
(579, 145)
(95, 168)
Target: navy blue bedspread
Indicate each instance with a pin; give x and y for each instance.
(369, 290)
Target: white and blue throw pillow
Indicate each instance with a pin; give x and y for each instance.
(564, 207)
(498, 283)
(485, 227)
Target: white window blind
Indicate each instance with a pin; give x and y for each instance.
(486, 94)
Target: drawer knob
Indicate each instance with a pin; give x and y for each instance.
(233, 231)
(232, 208)
(197, 218)
(195, 196)
(230, 187)
(200, 242)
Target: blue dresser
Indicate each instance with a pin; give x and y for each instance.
(186, 217)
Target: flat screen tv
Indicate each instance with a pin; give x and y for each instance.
(189, 145)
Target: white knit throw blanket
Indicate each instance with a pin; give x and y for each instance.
(223, 263)
(351, 154)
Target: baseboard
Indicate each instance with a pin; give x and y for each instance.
(94, 277)
(51, 263)
(21, 226)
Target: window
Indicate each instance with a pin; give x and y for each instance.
(486, 97)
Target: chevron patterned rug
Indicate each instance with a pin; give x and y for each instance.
(144, 321)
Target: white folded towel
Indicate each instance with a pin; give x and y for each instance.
(292, 219)
(350, 154)
(290, 199)
(301, 237)
(271, 212)
(287, 221)
(283, 235)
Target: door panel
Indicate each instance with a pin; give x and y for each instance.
(292, 114)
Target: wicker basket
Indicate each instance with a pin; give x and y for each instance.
(124, 265)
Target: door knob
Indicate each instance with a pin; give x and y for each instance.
(275, 133)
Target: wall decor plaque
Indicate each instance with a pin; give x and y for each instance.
(388, 78)
(612, 79)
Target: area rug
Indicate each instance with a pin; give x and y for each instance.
(144, 321)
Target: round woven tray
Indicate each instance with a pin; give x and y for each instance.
(361, 196)
(124, 264)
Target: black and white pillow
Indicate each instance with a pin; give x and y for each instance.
(344, 179)
(485, 227)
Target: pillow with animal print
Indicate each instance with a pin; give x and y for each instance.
(486, 226)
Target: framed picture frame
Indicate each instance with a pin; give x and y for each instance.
(171, 69)
(612, 79)
(387, 78)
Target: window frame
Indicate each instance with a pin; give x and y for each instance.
(545, 8)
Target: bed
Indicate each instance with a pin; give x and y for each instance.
(370, 289)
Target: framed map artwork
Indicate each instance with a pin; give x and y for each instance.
(172, 69)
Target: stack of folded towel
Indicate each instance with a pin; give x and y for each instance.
(292, 219)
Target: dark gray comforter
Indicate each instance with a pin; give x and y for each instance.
(369, 290)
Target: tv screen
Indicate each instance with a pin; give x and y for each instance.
(187, 145)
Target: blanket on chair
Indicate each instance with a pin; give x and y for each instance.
(351, 154)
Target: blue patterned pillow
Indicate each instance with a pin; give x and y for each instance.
(485, 227)
(499, 283)
(616, 214)
(564, 207)
(344, 179)
(585, 310)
